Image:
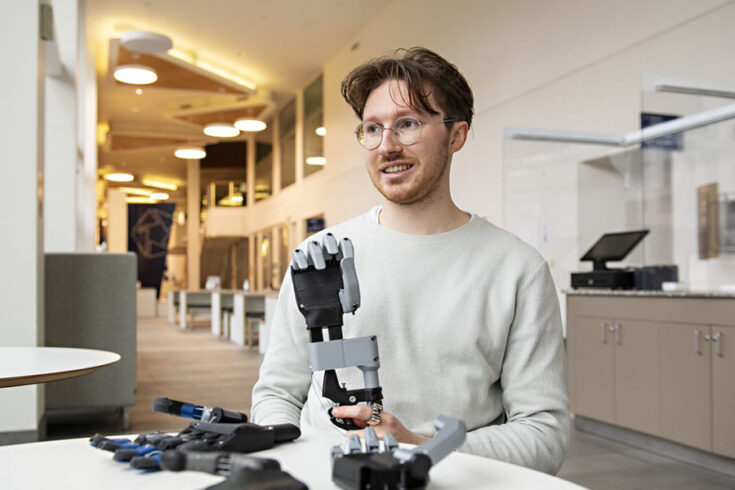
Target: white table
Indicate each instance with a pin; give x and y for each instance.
(31, 365)
(73, 463)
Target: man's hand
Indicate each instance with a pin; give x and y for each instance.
(389, 424)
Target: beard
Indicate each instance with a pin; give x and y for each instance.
(422, 183)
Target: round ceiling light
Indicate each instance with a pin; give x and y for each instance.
(250, 125)
(190, 153)
(119, 177)
(146, 42)
(135, 74)
(321, 131)
(159, 196)
(316, 161)
(221, 130)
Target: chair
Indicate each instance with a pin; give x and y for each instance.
(253, 320)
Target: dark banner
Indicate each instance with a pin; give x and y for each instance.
(149, 226)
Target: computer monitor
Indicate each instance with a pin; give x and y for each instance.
(613, 246)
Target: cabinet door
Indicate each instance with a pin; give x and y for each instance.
(685, 385)
(591, 349)
(637, 375)
(723, 390)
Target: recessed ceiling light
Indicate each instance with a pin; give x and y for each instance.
(138, 191)
(139, 200)
(321, 131)
(190, 153)
(139, 91)
(135, 74)
(146, 42)
(160, 185)
(250, 125)
(221, 130)
(119, 177)
(159, 196)
(316, 161)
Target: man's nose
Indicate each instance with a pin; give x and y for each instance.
(389, 145)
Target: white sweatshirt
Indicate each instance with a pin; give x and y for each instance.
(468, 326)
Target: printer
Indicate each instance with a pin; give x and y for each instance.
(615, 247)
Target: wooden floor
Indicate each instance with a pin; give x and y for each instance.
(195, 367)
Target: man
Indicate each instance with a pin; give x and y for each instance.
(466, 315)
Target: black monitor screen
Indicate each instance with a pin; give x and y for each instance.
(614, 246)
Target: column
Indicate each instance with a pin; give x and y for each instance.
(193, 210)
(21, 267)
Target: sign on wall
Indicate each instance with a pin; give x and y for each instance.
(149, 226)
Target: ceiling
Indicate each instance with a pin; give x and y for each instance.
(278, 46)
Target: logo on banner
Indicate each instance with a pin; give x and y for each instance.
(150, 233)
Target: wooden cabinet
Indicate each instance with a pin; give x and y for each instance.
(685, 387)
(615, 371)
(660, 366)
(593, 383)
(637, 372)
(722, 344)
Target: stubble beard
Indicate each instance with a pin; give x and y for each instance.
(419, 188)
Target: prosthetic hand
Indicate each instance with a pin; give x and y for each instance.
(325, 285)
(242, 472)
(393, 468)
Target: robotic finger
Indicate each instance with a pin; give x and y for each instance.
(393, 468)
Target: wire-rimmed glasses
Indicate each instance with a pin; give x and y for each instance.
(406, 130)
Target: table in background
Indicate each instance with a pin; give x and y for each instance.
(73, 463)
(31, 365)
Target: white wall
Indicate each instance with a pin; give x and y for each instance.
(70, 140)
(60, 159)
(567, 64)
(21, 249)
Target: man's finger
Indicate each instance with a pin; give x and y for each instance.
(359, 413)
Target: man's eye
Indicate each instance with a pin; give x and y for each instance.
(408, 124)
(371, 128)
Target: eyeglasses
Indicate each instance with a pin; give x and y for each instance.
(406, 130)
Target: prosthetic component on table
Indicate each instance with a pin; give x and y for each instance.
(326, 287)
(394, 468)
(243, 472)
(197, 412)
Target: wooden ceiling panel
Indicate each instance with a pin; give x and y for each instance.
(128, 142)
(173, 76)
(224, 115)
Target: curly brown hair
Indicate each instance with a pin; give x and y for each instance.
(423, 71)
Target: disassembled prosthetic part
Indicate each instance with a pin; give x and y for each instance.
(394, 468)
(197, 412)
(325, 285)
(242, 472)
(145, 451)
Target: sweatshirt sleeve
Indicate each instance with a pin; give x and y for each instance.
(285, 377)
(533, 381)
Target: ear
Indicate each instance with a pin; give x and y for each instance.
(458, 136)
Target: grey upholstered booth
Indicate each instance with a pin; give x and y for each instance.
(90, 303)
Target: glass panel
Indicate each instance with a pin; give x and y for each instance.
(561, 197)
(287, 142)
(264, 164)
(266, 261)
(229, 194)
(313, 120)
(689, 186)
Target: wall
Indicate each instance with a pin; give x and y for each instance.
(21, 250)
(573, 65)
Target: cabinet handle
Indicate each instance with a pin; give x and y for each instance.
(717, 339)
(697, 348)
(603, 329)
(617, 333)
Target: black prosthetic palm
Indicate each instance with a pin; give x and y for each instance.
(325, 285)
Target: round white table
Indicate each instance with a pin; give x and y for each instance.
(31, 365)
(73, 463)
